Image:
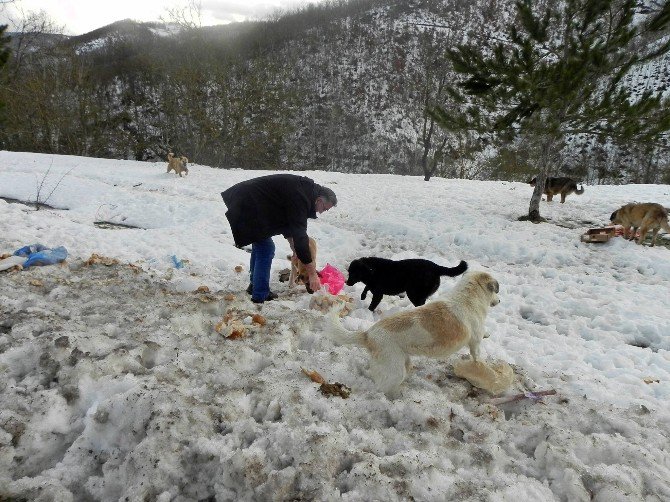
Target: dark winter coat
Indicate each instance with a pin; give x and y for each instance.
(272, 205)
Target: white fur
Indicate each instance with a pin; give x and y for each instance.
(436, 329)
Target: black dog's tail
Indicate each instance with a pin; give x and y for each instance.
(453, 271)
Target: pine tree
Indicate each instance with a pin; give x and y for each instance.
(560, 71)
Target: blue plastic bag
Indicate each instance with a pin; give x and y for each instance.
(46, 257)
(41, 255)
(28, 250)
(177, 262)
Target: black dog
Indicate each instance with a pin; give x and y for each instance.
(420, 278)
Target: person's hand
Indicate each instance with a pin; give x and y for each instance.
(314, 282)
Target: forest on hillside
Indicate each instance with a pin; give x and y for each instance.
(341, 86)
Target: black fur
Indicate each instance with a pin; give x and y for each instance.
(613, 215)
(419, 278)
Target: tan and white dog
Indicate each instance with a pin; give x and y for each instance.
(437, 329)
(298, 271)
(178, 164)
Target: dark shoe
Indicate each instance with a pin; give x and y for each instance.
(250, 288)
(271, 296)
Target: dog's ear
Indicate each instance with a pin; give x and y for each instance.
(493, 286)
(613, 215)
(184, 159)
(532, 182)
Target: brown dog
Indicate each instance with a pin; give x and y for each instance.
(178, 164)
(646, 216)
(555, 186)
(298, 270)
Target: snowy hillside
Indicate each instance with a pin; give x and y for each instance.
(118, 382)
(342, 86)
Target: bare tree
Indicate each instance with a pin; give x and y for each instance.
(188, 16)
(32, 31)
(40, 198)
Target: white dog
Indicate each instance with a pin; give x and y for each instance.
(437, 329)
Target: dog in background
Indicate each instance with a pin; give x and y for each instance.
(645, 216)
(178, 164)
(298, 271)
(555, 186)
(437, 329)
(419, 278)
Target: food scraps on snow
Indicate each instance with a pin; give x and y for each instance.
(494, 378)
(327, 389)
(96, 258)
(326, 302)
(236, 324)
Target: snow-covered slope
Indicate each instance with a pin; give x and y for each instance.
(116, 384)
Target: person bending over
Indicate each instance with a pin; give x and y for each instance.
(278, 204)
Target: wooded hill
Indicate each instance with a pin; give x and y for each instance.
(339, 86)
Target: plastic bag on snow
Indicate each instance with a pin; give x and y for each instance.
(28, 250)
(43, 255)
(332, 278)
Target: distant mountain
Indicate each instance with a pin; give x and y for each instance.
(339, 87)
(38, 39)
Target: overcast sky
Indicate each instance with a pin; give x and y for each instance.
(81, 16)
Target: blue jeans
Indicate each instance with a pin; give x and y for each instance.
(262, 253)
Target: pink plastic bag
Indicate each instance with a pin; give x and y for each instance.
(332, 278)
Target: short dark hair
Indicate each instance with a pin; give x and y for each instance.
(327, 194)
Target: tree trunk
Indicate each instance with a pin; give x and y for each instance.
(427, 143)
(534, 208)
(547, 157)
(427, 137)
(424, 163)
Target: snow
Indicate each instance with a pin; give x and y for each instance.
(116, 385)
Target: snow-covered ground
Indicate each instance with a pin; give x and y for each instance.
(115, 384)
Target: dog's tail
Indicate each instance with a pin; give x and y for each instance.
(339, 334)
(454, 271)
(579, 191)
